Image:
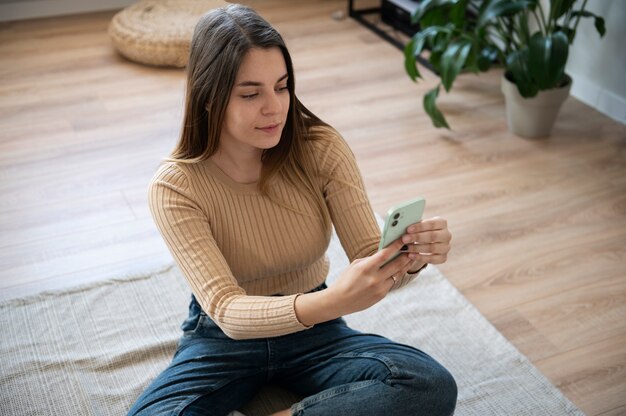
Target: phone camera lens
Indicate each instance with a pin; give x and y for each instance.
(395, 217)
(393, 224)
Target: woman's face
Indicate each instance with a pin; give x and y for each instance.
(259, 102)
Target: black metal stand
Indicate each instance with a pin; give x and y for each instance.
(358, 15)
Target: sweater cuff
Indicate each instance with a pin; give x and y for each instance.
(302, 326)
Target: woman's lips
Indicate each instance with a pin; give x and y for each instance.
(271, 128)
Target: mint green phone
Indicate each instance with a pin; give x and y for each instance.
(398, 219)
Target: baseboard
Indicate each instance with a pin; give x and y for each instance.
(30, 9)
(599, 98)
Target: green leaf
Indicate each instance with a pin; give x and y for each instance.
(547, 56)
(475, 59)
(410, 65)
(431, 109)
(452, 60)
(422, 9)
(517, 67)
(435, 60)
(481, 5)
(598, 21)
(486, 57)
(415, 47)
(435, 17)
(439, 42)
(599, 24)
(562, 6)
(458, 14)
(503, 8)
(427, 6)
(428, 36)
(568, 32)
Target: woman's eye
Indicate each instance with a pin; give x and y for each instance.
(283, 89)
(249, 96)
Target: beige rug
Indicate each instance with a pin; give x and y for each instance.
(91, 350)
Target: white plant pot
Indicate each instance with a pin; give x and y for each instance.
(533, 117)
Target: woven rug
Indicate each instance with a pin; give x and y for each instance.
(91, 350)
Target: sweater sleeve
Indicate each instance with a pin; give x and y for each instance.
(349, 205)
(187, 232)
(347, 201)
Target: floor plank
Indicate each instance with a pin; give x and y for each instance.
(593, 373)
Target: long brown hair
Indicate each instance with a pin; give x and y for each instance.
(220, 41)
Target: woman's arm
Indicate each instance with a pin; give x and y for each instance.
(350, 208)
(362, 284)
(187, 233)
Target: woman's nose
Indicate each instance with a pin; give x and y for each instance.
(272, 104)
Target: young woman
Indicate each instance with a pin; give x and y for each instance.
(246, 204)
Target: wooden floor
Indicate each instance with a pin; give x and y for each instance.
(539, 226)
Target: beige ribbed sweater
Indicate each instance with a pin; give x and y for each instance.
(238, 249)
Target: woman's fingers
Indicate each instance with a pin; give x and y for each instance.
(427, 248)
(372, 264)
(439, 236)
(395, 268)
(433, 230)
(433, 258)
(425, 242)
(431, 224)
(376, 260)
(428, 241)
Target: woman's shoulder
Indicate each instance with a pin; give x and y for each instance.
(323, 133)
(328, 146)
(174, 175)
(170, 171)
(326, 138)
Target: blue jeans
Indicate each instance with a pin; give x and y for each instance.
(338, 370)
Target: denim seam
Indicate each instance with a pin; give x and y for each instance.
(319, 397)
(297, 408)
(393, 370)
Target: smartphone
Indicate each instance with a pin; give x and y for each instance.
(398, 218)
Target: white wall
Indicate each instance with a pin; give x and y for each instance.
(27, 9)
(598, 65)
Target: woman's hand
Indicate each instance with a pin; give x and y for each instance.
(427, 241)
(362, 284)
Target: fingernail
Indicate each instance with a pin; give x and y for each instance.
(406, 239)
(404, 248)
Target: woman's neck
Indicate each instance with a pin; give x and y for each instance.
(240, 167)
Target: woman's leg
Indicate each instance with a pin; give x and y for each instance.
(210, 374)
(200, 382)
(345, 372)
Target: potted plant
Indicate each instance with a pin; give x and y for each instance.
(529, 38)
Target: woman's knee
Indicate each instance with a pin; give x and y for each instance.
(431, 391)
(445, 389)
(440, 391)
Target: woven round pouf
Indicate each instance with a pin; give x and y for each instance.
(158, 32)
